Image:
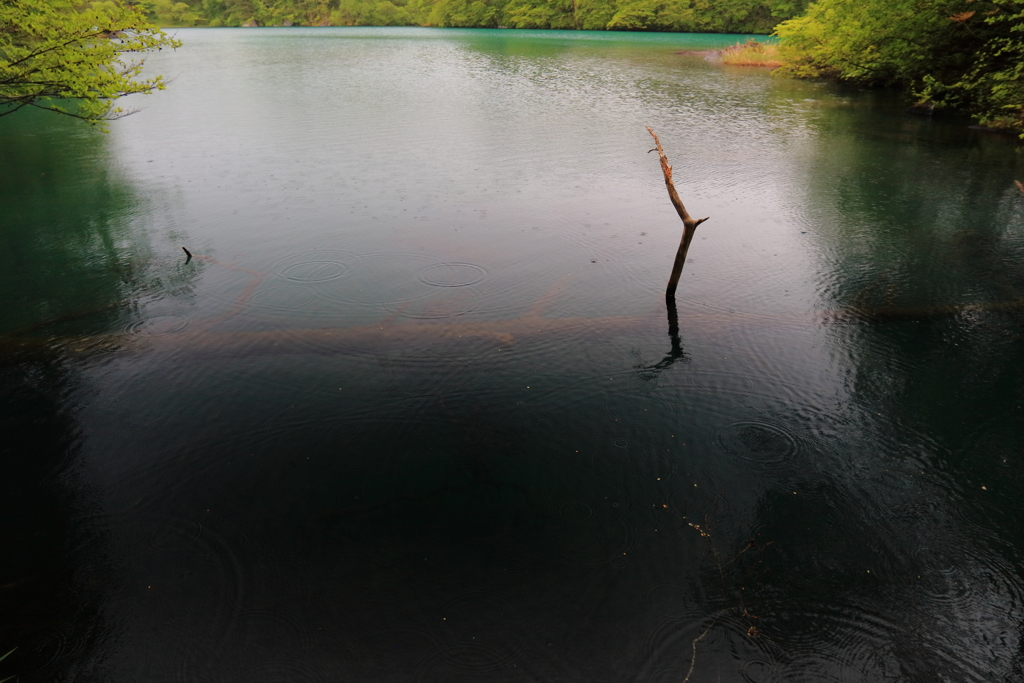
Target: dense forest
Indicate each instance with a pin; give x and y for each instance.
(710, 16)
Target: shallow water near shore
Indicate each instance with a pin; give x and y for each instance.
(417, 410)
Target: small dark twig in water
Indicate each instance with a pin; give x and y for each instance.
(188, 254)
(689, 223)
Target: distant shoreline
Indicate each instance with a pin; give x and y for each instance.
(486, 28)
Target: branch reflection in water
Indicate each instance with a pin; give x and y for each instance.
(675, 353)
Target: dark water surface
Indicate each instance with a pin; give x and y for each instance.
(416, 411)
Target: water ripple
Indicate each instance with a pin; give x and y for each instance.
(473, 657)
(314, 267)
(297, 669)
(452, 274)
(381, 279)
(439, 306)
(282, 298)
(757, 441)
(158, 325)
(58, 648)
(175, 533)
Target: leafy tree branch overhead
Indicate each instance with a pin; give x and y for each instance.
(75, 58)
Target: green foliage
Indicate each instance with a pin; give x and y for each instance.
(556, 14)
(379, 13)
(594, 15)
(962, 54)
(170, 12)
(698, 16)
(637, 15)
(74, 58)
(465, 14)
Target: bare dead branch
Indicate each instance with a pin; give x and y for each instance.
(689, 223)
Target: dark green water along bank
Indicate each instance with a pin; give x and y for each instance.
(417, 411)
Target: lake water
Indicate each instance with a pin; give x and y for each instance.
(417, 409)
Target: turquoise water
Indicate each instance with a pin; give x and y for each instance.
(417, 410)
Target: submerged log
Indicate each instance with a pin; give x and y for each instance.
(689, 223)
(395, 335)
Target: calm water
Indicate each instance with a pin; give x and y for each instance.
(417, 411)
